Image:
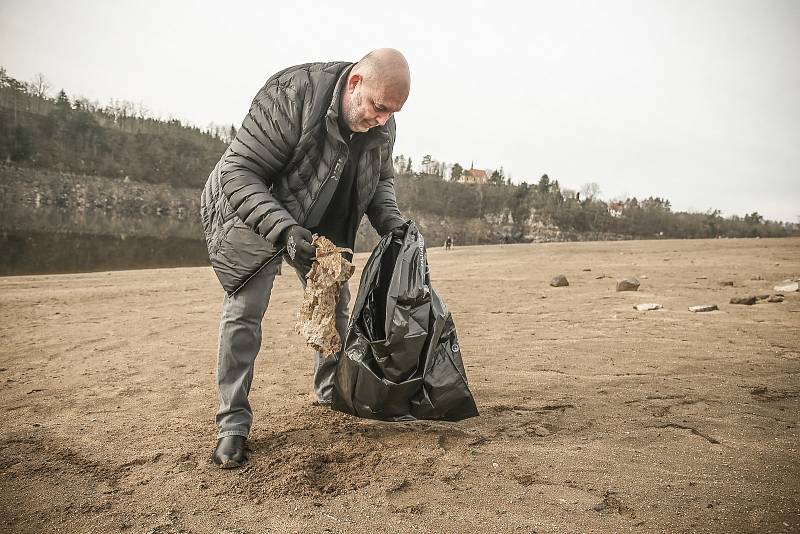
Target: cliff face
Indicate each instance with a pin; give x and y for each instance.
(54, 222)
(51, 202)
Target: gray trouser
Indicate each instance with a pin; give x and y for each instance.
(239, 342)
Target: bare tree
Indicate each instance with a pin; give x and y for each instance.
(590, 191)
(38, 87)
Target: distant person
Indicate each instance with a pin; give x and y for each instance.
(448, 243)
(313, 155)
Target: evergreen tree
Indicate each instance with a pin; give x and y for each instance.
(456, 172)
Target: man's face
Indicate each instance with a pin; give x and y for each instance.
(366, 104)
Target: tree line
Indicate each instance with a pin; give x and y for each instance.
(118, 140)
(122, 140)
(520, 207)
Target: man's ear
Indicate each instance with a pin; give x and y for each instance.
(352, 82)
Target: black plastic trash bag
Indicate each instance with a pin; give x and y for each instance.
(401, 360)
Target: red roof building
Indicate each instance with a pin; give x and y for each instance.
(473, 176)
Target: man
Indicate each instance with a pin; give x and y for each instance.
(313, 155)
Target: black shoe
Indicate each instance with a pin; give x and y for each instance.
(230, 452)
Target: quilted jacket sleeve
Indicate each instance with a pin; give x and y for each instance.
(257, 155)
(382, 211)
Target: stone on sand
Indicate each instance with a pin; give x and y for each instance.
(775, 298)
(747, 301)
(541, 431)
(703, 308)
(787, 286)
(648, 306)
(628, 284)
(559, 281)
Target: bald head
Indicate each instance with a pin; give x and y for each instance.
(386, 66)
(377, 87)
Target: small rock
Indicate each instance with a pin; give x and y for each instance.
(587, 270)
(701, 278)
(788, 285)
(726, 283)
(762, 296)
(648, 306)
(599, 507)
(559, 281)
(747, 301)
(183, 467)
(628, 284)
(775, 298)
(703, 308)
(756, 277)
(541, 431)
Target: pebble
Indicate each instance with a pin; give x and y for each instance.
(747, 301)
(788, 285)
(703, 308)
(775, 298)
(541, 431)
(628, 284)
(559, 281)
(648, 306)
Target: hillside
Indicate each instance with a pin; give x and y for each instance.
(78, 169)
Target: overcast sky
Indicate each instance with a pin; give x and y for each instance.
(695, 101)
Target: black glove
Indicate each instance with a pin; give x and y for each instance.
(399, 231)
(299, 248)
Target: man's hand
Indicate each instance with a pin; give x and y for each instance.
(299, 248)
(399, 231)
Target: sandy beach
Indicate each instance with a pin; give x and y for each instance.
(595, 417)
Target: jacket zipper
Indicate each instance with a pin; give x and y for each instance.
(327, 179)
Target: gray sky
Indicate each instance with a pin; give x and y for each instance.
(695, 101)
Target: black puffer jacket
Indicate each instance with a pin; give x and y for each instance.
(282, 169)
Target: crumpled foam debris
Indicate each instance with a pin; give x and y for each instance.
(317, 317)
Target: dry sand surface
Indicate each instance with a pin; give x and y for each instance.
(594, 417)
